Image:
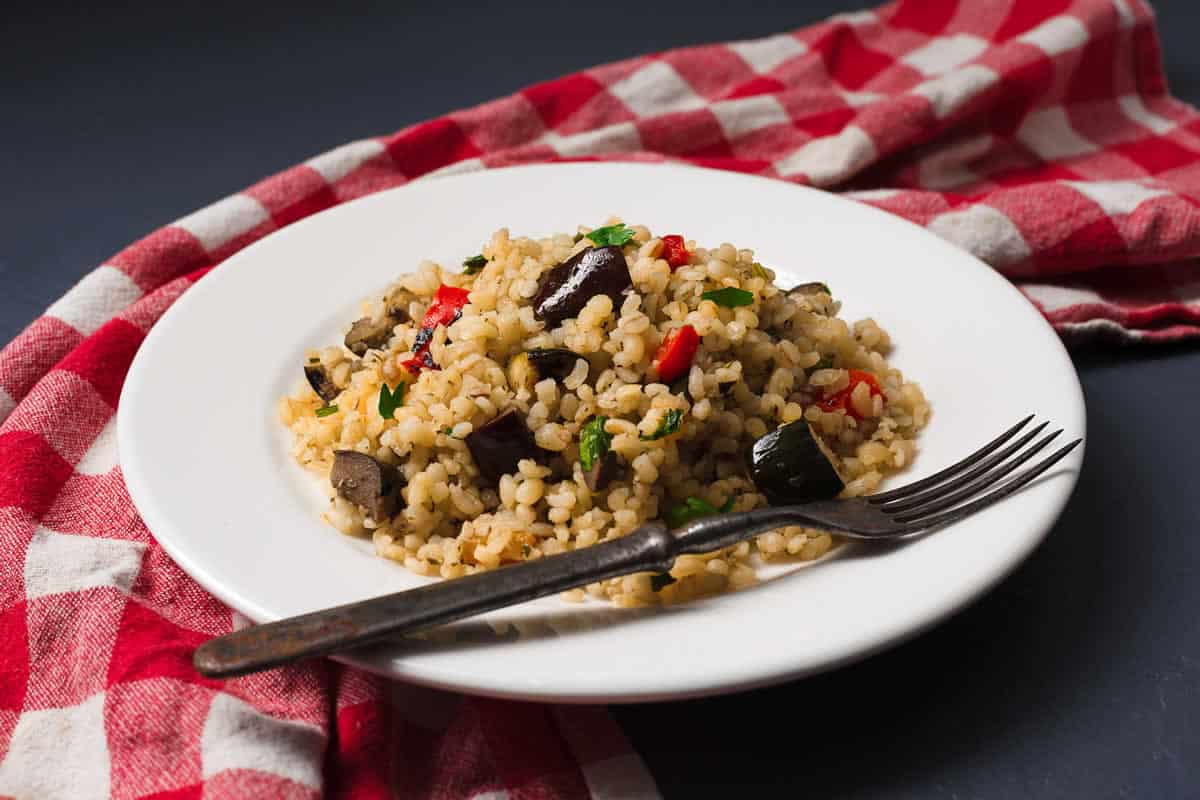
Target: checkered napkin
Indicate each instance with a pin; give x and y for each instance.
(1035, 133)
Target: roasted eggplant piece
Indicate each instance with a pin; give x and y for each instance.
(322, 384)
(603, 472)
(367, 482)
(791, 464)
(526, 369)
(498, 446)
(565, 289)
(369, 334)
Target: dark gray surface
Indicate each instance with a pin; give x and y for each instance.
(1078, 677)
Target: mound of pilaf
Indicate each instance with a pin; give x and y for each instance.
(761, 357)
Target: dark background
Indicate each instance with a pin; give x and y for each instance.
(1078, 677)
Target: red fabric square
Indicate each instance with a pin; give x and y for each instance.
(500, 124)
(14, 657)
(153, 724)
(162, 256)
(148, 646)
(1157, 154)
(1094, 76)
(293, 194)
(849, 62)
(527, 749)
(32, 472)
(711, 70)
(96, 505)
(683, 133)
(922, 15)
(28, 357)
(363, 752)
(104, 358)
(755, 86)
(428, 146)
(71, 637)
(1027, 78)
(193, 792)
(238, 784)
(557, 100)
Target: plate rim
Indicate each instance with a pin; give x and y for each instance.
(157, 519)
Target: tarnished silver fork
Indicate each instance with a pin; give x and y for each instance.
(959, 490)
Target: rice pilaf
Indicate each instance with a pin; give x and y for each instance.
(670, 433)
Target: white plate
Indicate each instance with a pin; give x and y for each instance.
(205, 458)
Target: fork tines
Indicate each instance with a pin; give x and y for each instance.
(942, 498)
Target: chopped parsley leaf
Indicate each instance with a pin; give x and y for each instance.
(729, 297)
(474, 264)
(667, 425)
(618, 234)
(390, 400)
(594, 442)
(325, 411)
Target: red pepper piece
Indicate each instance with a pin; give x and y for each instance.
(675, 354)
(444, 310)
(842, 399)
(675, 251)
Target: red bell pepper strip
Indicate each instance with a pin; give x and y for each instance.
(446, 307)
(675, 251)
(676, 352)
(842, 399)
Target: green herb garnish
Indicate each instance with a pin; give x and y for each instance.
(759, 271)
(325, 411)
(448, 430)
(577, 238)
(695, 508)
(826, 362)
(667, 425)
(729, 297)
(594, 442)
(390, 400)
(618, 234)
(474, 264)
(660, 580)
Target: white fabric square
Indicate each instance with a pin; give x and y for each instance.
(984, 231)
(1136, 110)
(621, 137)
(1056, 35)
(947, 168)
(858, 99)
(1125, 17)
(656, 89)
(764, 55)
(856, 18)
(341, 161)
(238, 736)
(94, 300)
(870, 195)
(1052, 298)
(101, 457)
(1049, 134)
(62, 562)
(951, 90)
(222, 221)
(739, 117)
(58, 754)
(831, 158)
(945, 53)
(7, 404)
(1116, 197)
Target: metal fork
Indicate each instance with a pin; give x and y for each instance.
(946, 497)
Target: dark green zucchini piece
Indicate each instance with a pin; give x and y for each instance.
(498, 446)
(791, 464)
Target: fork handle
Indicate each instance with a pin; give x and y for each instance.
(649, 548)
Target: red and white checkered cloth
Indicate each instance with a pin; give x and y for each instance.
(1037, 134)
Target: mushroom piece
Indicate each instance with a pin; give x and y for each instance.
(792, 464)
(321, 383)
(367, 482)
(566, 289)
(370, 334)
(500, 445)
(812, 287)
